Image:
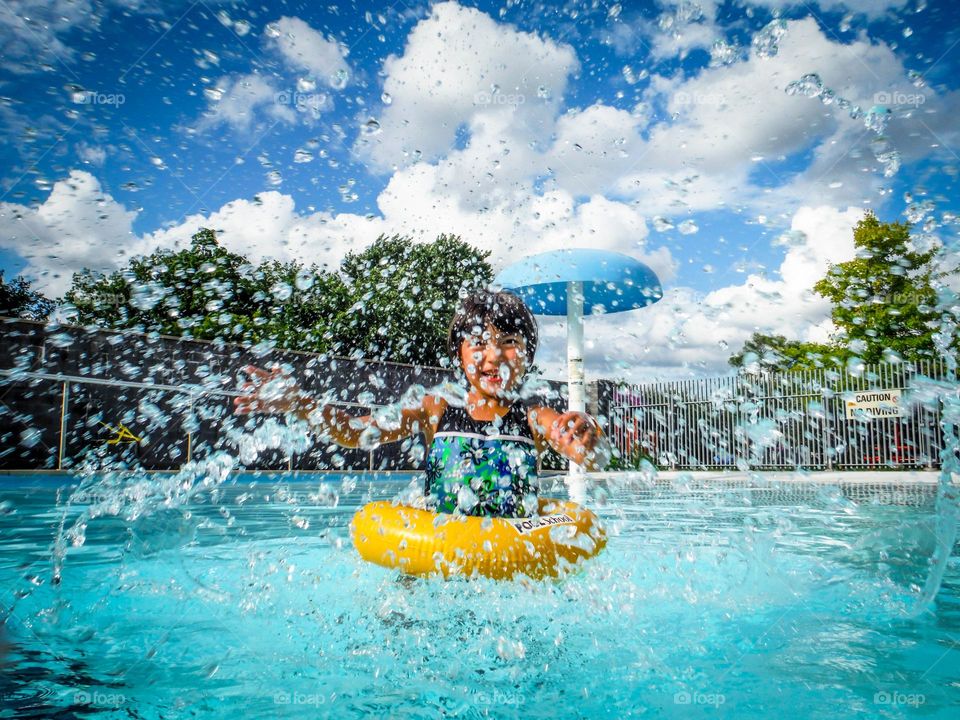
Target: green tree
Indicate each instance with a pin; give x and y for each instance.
(883, 306)
(776, 352)
(19, 301)
(403, 294)
(208, 292)
(883, 300)
(391, 301)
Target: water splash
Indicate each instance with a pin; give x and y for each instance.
(766, 43)
(945, 391)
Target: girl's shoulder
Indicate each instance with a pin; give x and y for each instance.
(434, 407)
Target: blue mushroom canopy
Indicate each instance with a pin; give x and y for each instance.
(612, 282)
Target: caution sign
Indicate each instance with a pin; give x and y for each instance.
(874, 404)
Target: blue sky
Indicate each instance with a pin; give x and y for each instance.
(669, 131)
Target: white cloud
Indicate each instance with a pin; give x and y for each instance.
(239, 100)
(595, 148)
(304, 48)
(684, 26)
(310, 61)
(269, 227)
(732, 125)
(77, 226)
(458, 68)
(91, 154)
(31, 30)
(871, 8)
(417, 202)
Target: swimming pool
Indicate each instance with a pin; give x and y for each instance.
(733, 598)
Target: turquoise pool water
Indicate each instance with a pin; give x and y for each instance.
(248, 601)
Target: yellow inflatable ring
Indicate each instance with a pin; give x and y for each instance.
(420, 542)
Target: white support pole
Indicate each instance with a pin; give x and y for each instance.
(576, 484)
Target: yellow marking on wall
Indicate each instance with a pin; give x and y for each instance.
(123, 434)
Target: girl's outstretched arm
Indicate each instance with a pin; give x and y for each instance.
(575, 435)
(348, 430)
(274, 392)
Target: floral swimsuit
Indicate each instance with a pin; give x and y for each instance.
(480, 468)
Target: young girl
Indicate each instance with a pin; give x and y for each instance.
(482, 457)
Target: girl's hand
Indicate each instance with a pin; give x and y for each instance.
(270, 391)
(578, 436)
(574, 428)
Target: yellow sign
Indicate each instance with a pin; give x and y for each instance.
(874, 404)
(123, 434)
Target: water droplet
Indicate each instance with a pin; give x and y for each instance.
(305, 280)
(791, 238)
(723, 53)
(302, 156)
(386, 98)
(272, 30)
(30, 437)
(810, 85)
(766, 43)
(662, 224)
(877, 118)
(856, 366)
(145, 296)
(614, 11)
(339, 80)
(371, 127)
(688, 227)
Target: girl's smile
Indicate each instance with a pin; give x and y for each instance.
(493, 362)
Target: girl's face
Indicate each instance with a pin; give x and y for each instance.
(494, 362)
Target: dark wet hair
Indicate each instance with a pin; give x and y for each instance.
(504, 310)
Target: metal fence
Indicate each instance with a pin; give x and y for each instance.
(71, 394)
(817, 420)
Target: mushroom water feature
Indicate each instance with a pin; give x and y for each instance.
(574, 282)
